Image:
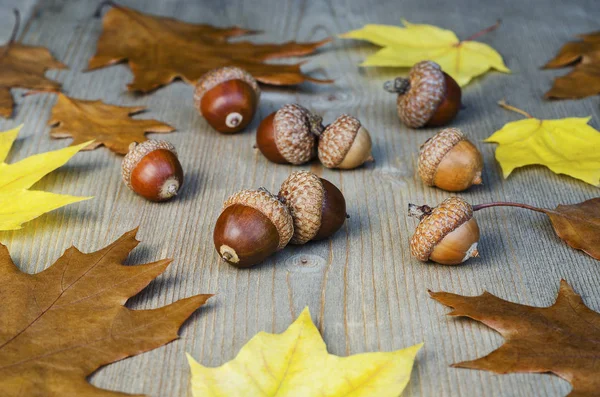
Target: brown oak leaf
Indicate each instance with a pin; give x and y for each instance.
(584, 79)
(62, 324)
(563, 339)
(160, 49)
(107, 125)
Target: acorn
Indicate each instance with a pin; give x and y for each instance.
(345, 144)
(429, 97)
(318, 208)
(288, 136)
(253, 225)
(449, 161)
(447, 234)
(227, 98)
(152, 170)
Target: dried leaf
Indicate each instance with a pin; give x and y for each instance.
(296, 363)
(62, 324)
(18, 204)
(160, 49)
(584, 79)
(562, 338)
(107, 125)
(406, 46)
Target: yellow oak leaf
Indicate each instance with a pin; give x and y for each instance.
(406, 46)
(296, 363)
(566, 146)
(18, 204)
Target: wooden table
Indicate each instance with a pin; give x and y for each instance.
(364, 290)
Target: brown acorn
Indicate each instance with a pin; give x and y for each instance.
(253, 225)
(227, 98)
(152, 170)
(447, 234)
(318, 208)
(449, 161)
(288, 136)
(345, 144)
(429, 97)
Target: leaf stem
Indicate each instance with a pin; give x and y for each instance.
(508, 204)
(502, 103)
(13, 35)
(484, 31)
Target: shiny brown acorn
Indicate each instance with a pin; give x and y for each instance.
(152, 170)
(227, 98)
(447, 234)
(318, 208)
(345, 144)
(429, 97)
(449, 161)
(253, 225)
(289, 135)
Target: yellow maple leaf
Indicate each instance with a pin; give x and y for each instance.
(18, 204)
(296, 363)
(406, 46)
(566, 146)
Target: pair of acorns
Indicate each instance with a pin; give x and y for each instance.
(255, 223)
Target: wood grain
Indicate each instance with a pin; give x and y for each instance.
(364, 290)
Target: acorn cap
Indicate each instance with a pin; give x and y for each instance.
(214, 77)
(433, 151)
(303, 193)
(137, 151)
(443, 219)
(267, 204)
(294, 137)
(426, 92)
(337, 139)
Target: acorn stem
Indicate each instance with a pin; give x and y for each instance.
(399, 85)
(316, 124)
(502, 103)
(507, 204)
(484, 31)
(419, 211)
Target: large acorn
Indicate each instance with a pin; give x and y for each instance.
(253, 225)
(429, 97)
(318, 208)
(345, 144)
(289, 135)
(447, 234)
(227, 98)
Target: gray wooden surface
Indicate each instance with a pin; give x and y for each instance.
(364, 290)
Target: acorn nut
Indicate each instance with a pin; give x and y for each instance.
(227, 98)
(152, 170)
(449, 161)
(447, 234)
(253, 225)
(318, 208)
(345, 144)
(429, 97)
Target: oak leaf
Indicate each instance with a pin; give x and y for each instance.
(61, 325)
(160, 49)
(18, 204)
(561, 339)
(105, 124)
(296, 363)
(584, 79)
(408, 45)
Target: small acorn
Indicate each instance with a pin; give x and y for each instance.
(253, 225)
(449, 161)
(152, 170)
(447, 234)
(227, 98)
(288, 136)
(345, 144)
(429, 97)
(318, 208)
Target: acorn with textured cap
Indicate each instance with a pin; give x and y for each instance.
(447, 234)
(449, 161)
(318, 208)
(227, 98)
(253, 225)
(345, 144)
(289, 135)
(152, 170)
(429, 97)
